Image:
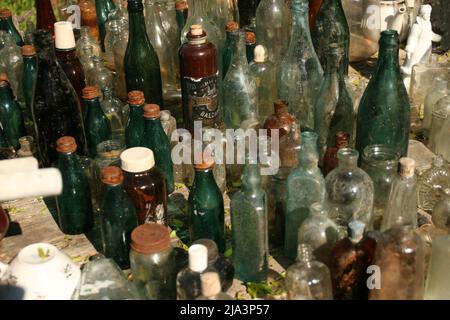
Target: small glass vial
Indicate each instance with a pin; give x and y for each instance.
(211, 288)
(152, 261)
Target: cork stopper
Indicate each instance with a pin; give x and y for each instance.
(196, 30)
(342, 139)
(206, 163)
(66, 145)
(150, 238)
(259, 53)
(250, 37)
(137, 160)
(112, 176)
(64, 37)
(90, 93)
(152, 111)
(280, 107)
(181, 5)
(356, 230)
(5, 13)
(3, 79)
(136, 98)
(198, 258)
(210, 284)
(407, 167)
(28, 50)
(231, 26)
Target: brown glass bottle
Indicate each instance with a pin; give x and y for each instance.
(145, 185)
(314, 7)
(66, 53)
(89, 17)
(45, 15)
(330, 160)
(199, 80)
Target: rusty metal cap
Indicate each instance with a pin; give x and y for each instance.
(152, 111)
(90, 93)
(280, 107)
(3, 79)
(28, 50)
(66, 144)
(231, 26)
(181, 5)
(250, 37)
(136, 98)
(206, 163)
(150, 238)
(112, 175)
(5, 13)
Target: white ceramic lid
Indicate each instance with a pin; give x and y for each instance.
(64, 37)
(198, 258)
(137, 159)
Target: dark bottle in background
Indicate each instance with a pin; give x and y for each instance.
(45, 15)
(6, 24)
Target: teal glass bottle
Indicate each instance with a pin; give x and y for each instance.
(239, 86)
(118, 218)
(142, 70)
(228, 49)
(28, 75)
(250, 228)
(6, 24)
(180, 8)
(384, 111)
(206, 208)
(155, 139)
(97, 125)
(333, 111)
(305, 186)
(301, 74)
(331, 27)
(102, 9)
(10, 114)
(74, 205)
(135, 125)
(250, 40)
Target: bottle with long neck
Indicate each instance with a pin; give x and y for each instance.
(384, 111)
(102, 9)
(301, 74)
(45, 15)
(29, 75)
(141, 64)
(135, 125)
(228, 48)
(6, 24)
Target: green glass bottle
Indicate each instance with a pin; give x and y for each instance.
(74, 204)
(135, 125)
(155, 139)
(331, 27)
(333, 111)
(305, 186)
(29, 74)
(118, 217)
(10, 113)
(384, 111)
(250, 228)
(102, 9)
(6, 24)
(206, 208)
(228, 49)
(142, 70)
(250, 40)
(97, 125)
(180, 8)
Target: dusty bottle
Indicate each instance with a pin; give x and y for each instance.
(29, 75)
(145, 185)
(87, 41)
(228, 49)
(102, 9)
(135, 125)
(438, 90)
(45, 15)
(74, 204)
(211, 288)
(431, 182)
(330, 160)
(113, 109)
(6, 24)
(250, 44)
(199, 80)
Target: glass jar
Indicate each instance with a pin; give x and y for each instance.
(152, 261)
(380, 163)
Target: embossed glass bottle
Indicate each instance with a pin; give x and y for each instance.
(431, 182)
(305, 186)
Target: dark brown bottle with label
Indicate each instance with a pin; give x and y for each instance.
(199, 80)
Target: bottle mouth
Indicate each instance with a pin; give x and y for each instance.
(380, 153)
(348, 155)
(309, 135)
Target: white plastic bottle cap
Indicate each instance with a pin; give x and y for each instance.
(64, 37)
(260, 53)
(198, 258)
(210, 284)
(137, 159)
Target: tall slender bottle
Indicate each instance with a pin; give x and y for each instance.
(29, 75)
(305, 186)
(384, 111)
(250, 229)
(301, 74)
(228, 49)
(56, 108)
(45, 15)
(66, 53)
(200, 80)
(102, 9)
(136, 123)
(6, 24)
(141, 64)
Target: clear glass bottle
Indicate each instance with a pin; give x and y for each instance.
(330, 160)
(264, 72)
(86, 41)
(89, 19)
(239, 86)
(189, 285)
(438, 90)
(11, 63)
(135, 124)
(305, 186)
(99, 76)
(308, 279)
(250, 229)
(381, 164)
(211, 288)
(431, 182)
(222, 11)
(438, 281)
(113, 109)
(113, 27)
(350, 191)
(301, 74)
(119, 50)
(152, 260)
(440, 114)
(7, 25)
(441, 212)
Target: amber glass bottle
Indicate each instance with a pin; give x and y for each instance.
(330, 160)
(89, 17)
(45, 15)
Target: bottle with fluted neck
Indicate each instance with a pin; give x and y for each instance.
(141, 64)
(384, 111)
(135, 124)
(330, 160)
(272, 28)
(305, 186)
(349, 191)
(331, 27)
(7, 25)
(237, 107)
(333, 111)
(87, 41)
(44, 15)
(441, 212)
(228, 47)
(89, 19)
(113, 109)
(102, 10)
(11, 63)
(308, 279)
(300, 75)
(438, 90)
(28, 77)
(264, 72)
(56, 108)
(250, 228)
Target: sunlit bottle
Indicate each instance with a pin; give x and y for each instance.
(11, 63)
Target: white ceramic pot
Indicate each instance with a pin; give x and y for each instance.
(44, 272)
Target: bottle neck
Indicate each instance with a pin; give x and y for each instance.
(308, 155)
(389, 55)
(197, 8)
(239, 55)
(6, 93)
(300, 34)
(136, 109)
(347, 161)
(114, 190)
(204, 177)
(93, 107)
(136, 19)
(251, 183)
(30, 60)
(69, 160)
(153, 124)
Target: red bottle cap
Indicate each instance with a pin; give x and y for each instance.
(3, 79)
(28, 50)
(152, 111)
(250, 37)
(231, 26)
(90, 93)
(5, 13)
(66, 145)
(136, 97)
